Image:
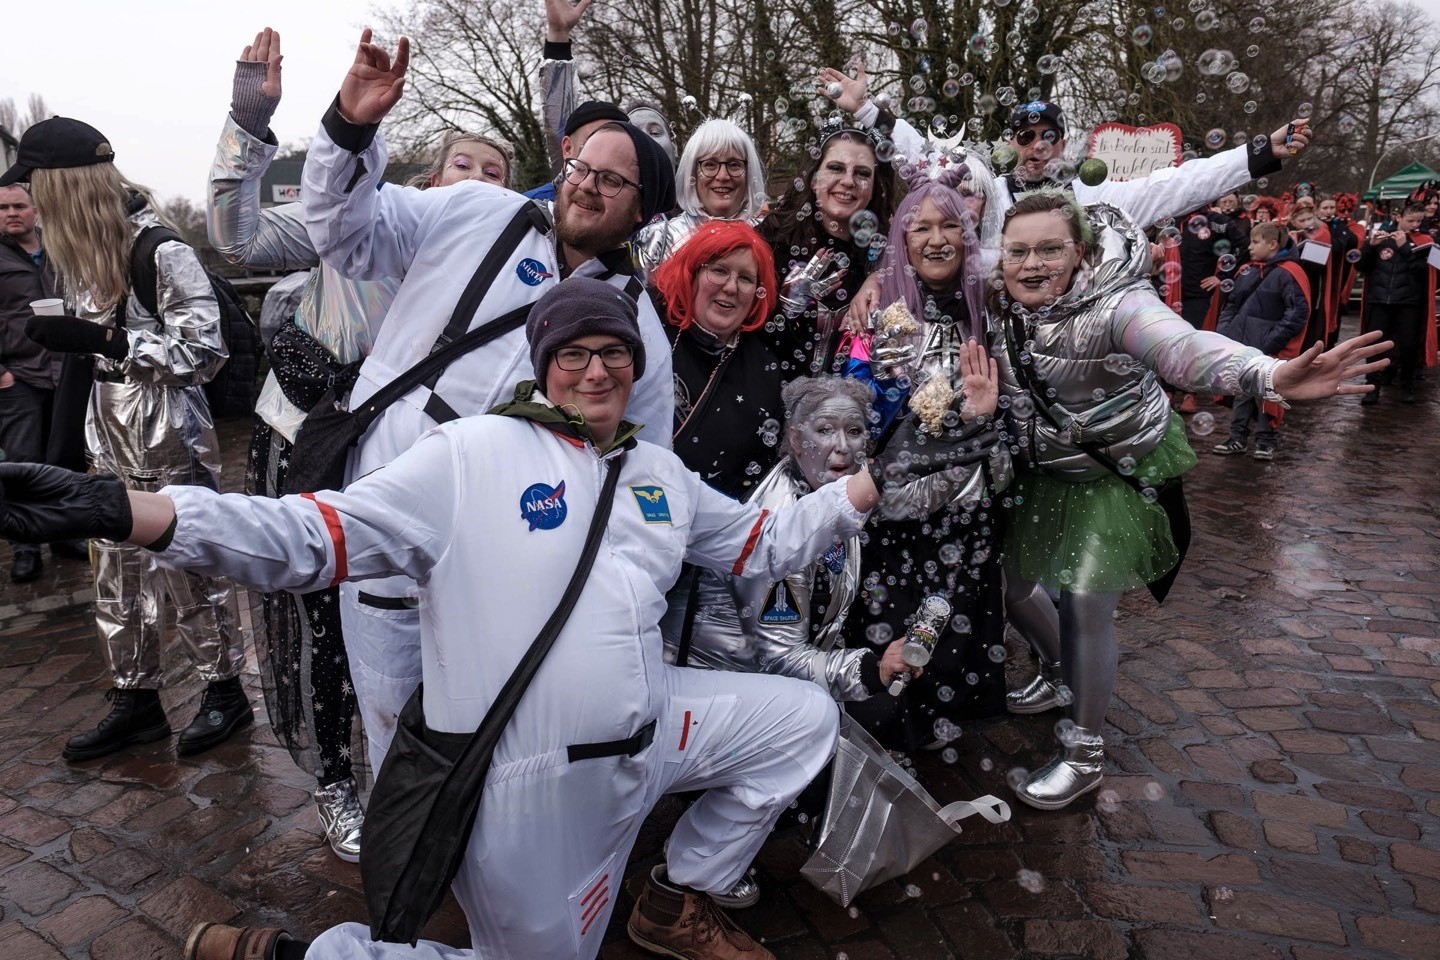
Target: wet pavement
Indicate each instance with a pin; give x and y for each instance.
(1273, 793)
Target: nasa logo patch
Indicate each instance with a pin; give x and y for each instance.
(532, 273)
(652, 503)
(543, 506)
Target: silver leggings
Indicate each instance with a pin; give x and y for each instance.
(1080, 635)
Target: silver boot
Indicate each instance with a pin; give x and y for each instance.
(1040, 694)
(1078, 770)
(342, 817)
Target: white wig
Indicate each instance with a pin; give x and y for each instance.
(710, 138)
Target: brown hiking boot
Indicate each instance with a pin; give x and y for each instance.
(674, 922)
(216, 941)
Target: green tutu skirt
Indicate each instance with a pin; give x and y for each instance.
(1097, 535)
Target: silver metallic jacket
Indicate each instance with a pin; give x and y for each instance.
(343, 314)
(656, 241)
(1103, 348)
(728, 633)
(935, 352)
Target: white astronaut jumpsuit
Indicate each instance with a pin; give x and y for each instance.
(434, 240)
(487, 515)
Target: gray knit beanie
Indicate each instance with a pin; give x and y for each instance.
(580, 307)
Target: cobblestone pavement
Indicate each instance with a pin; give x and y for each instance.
(1273, 792)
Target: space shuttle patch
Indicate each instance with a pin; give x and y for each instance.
(653, 506)
(779, 606)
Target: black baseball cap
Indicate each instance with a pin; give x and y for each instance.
(1037, 111)
(57, 143)
(592, 110)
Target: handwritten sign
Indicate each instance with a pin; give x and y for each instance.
(1135, 152)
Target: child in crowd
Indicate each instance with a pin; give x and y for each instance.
(1268, 309)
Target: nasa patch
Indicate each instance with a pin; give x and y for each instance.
(778, 606)
(652, 503)
(532, 273)
(543, 506)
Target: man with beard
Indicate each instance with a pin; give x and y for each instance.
(443, 244)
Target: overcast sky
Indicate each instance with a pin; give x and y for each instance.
(154, 75)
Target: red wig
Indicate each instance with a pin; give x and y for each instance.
(1345, 204)
(675, 277)
(1267, 203)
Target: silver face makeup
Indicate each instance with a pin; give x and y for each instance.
(830, 443)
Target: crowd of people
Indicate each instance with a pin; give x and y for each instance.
(789, 424)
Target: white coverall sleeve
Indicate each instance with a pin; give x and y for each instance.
(363, 230)
(1174, 190)
(241, 231)
(745, 541)
(399, 519)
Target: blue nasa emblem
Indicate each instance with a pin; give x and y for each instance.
(652, 503)
(532, 273)
(543, 506)
(834, 558)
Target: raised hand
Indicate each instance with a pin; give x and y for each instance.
(980, 381)
(1314, 375)
(266, 50)
(561, 16)
(1289, 140)
(852, 89)
(808, 283)
(375, 81)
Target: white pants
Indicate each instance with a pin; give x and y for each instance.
(549, 849)
(383, 647)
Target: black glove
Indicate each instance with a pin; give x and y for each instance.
(73, 335)
(44, 504)
(913, 452)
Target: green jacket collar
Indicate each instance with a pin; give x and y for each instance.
(530, 404)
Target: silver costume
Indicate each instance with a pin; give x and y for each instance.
(1110, 343)
(343, 314)
(656, 241)
(150, 425)
(729, 632)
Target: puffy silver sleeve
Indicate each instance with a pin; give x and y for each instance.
(1195, 360)
(241, 230)
(184, 345)
(557, 82)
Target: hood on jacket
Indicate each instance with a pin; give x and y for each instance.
(530, 404)
(1117, 257)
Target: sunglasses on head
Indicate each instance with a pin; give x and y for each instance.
(1027, 136)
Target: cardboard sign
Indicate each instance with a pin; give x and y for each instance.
(1135, 152)
(1313, 251)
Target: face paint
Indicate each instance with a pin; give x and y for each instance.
(830, 443)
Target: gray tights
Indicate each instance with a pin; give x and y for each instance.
(1081, 635)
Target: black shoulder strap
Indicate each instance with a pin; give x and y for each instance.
(466, 780)
(143, 274)
(457, 339)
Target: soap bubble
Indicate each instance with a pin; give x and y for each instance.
(1202, 424)
(879, 633)
(1206, 20)
(1238, 82)
(1032, 881)
(1215, 139)
(834, 90)
(1142, 34)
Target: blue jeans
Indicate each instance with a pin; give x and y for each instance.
(1247, 409)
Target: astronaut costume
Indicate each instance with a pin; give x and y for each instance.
(149, 424)
(434, 240)
(491, 550)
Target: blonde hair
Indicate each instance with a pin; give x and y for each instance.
(88, 233)
(426, 177)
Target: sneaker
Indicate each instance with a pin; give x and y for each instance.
(676, 922)
(1229, 447)
(1264, 453)
(342, 817)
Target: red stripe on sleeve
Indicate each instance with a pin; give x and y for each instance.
(337, 536)
(739, 567)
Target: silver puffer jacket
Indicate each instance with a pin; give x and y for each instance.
(656, 241)
(343, 314)
(935, 352)
(729, 634)
(1103, 348)
(148, 421)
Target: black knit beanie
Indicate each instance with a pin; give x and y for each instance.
(580, 307)
(657, 176)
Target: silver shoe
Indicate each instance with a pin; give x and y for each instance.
(745, 893)
(1078, 770)
(342, 816)
(1040, 694)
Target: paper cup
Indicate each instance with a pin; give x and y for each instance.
(48, 308)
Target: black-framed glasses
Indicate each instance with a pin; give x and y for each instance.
(1047, 250)
(711, 167)
(1027, 136)
(616, 356)
(608, 182)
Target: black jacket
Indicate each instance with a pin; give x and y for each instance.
(1205, 236)
(1394, 273)
(1266, 308)
(21, 282)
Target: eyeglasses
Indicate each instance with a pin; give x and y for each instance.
(1047, 250)
(616, 356)
(711, 167)
(1027, 136)
(608, 182)
(720, 275)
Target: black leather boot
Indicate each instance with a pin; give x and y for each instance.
(27, 564)
(223, 710)
(136, 717)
